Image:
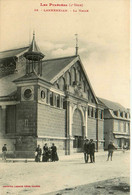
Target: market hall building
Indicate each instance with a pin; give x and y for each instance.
(46, 101)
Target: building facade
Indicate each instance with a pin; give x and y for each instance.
(116, 124)
(46, 101)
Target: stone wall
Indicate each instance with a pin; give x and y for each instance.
(91, 126)
(100, 134)
(25, 146)
(108, 131)
(26, 118)
(51, 121)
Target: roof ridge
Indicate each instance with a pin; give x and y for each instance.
(114, 103)
(110, 101)
(14, 49)
(59, 58)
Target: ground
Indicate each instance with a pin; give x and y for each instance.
(118, 186)
(70, 175)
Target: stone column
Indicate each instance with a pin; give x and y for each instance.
(70, 119)
(97, 124)
(84, 131)
(53, 99)
(69, 129)
(3, 120)
(86, 122)
(48, 96)
(59, 101)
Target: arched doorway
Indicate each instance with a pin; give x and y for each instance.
(77, 130)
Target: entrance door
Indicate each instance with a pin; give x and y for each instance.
(77, 130)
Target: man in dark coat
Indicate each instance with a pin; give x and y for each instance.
(86, 150)
(54, 153)
(4, 150)
(111, 149)
(45, 153)
(92, 150)
(38, 155)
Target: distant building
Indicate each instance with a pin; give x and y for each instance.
(46, 101)
(116, 124)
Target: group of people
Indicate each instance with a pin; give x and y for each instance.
(49, 153)
(89, 150)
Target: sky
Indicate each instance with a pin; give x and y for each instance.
(103, 38)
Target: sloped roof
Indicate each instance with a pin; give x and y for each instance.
(53, 66)
(7, 86)
(33, 46)
(113, 105)
(12, 53)
(33, 52)
(50, 69)
(100, 103)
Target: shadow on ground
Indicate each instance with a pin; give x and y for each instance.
(117, 186)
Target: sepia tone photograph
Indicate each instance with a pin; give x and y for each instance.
(65, 97)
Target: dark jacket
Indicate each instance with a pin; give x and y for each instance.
(46, 149)
(111, 147)
(4, 149)
(86, 147)
(92, 147)
(39, 151)
(54, 149)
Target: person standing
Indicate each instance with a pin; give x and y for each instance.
(111, 149)
(45, 153)
(4, 151)
(92, 150)
(86, 151)
(38, 154)
(54, 153)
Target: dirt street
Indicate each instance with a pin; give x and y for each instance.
(41, 178)
(117, 186)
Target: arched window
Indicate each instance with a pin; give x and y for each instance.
(51, 99)
(73, 75)
(79, 75)
(62, 83)
(57, 86)
(83, 86)
(68, 78)
(89, 95)
(42, 94)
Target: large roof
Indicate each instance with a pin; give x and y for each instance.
(7, 86)
(53, 66)
(50, 69)
(12, 53)
(112, 105)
